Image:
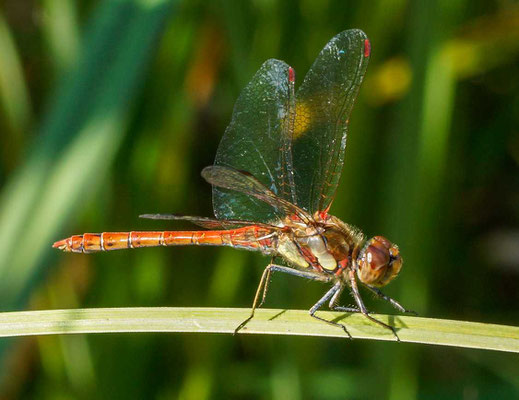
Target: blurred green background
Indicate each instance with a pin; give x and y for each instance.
(110, 109)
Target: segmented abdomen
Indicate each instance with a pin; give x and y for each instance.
(249, 237)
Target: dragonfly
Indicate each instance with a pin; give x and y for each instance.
(275, 176)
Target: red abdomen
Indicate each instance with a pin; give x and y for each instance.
(249, 237)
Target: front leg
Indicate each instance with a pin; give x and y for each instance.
(391, 301)
(362, 307)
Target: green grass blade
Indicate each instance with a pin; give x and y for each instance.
(60, 28)
(78, 139)
(266, 321)
(14, 95)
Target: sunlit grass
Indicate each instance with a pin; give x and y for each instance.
(266, 321)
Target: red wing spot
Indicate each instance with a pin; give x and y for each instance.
(367, 48)
(291, 74)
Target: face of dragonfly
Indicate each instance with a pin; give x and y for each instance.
(379, 262)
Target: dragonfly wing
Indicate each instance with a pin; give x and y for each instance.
(243, 182)
(258, 141)
(204, 222)
(323, 106)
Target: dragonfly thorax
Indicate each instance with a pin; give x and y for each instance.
(326, 245)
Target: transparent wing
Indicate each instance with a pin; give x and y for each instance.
(258, 141)
(294, 145)
(242, 182)
(323, 106)
(204, 222)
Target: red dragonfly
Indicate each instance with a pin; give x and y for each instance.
(274, 179)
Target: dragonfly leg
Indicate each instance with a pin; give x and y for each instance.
(264, 284)
(333, 304)
(362, 307)
(331, 295)
(267, 282)
(345, 309)
(302, 274)
(264, 277)
(391, 301)
(287, 270)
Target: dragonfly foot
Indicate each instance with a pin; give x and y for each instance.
(346, 330)
(383, 324)
(239, 327)
(395, 334)
(343, 327)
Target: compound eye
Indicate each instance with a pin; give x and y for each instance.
(379, 262)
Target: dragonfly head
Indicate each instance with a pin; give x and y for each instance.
(378, 262)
